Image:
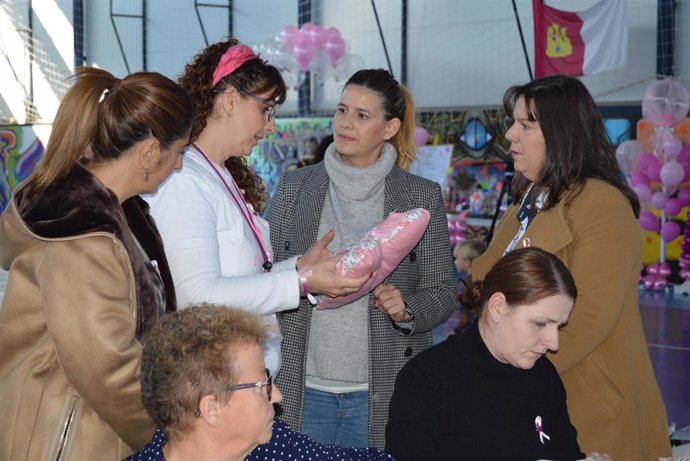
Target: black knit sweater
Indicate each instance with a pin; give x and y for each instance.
(455, 401)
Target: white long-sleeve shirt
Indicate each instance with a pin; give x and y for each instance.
(212, 252)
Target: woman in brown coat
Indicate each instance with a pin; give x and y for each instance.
(571, 200)
(84, 282)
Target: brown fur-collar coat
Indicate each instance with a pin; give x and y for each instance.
(79, 295)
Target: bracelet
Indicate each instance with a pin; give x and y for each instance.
(303, 287)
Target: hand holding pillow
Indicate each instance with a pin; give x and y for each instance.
(379, 252)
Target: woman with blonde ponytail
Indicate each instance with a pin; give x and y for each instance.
(490, 392)
(88, 276)
(344, 361)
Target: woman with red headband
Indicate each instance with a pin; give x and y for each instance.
(217, 245)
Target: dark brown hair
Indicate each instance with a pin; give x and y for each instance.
(137, 107)
(397, 103)
(189, 354)
(577, 147)
(254, 76)
(525, 276)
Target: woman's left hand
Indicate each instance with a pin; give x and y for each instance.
(389, 300)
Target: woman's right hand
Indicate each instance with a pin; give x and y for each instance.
(325, 279)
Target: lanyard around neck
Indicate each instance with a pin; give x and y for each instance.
(246, 213)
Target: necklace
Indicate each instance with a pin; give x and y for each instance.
(242, 205)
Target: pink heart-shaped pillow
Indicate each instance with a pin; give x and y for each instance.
(379, 252)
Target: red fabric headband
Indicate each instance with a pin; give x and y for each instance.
(233, 58)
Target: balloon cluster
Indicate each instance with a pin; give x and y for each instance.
(456, 230)
(656, 276)
(684, 260)
(657, 177)
(311, 48)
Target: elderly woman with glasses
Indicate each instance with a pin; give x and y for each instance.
(218, 247)
(204, 383)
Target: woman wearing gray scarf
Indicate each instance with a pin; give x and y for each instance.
(339, 365)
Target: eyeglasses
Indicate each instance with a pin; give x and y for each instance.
(268, 384)
(269, 110)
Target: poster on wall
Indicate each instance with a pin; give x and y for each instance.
(432, 162)
(21, 148)
(291, 146)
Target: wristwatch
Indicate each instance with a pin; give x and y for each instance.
(409, 313)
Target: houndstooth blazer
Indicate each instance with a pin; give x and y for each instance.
(425, 279)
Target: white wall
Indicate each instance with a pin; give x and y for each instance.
(461, 53)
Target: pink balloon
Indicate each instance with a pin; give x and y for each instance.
(318, 37)
(684, 196)
(670, 231)
(665, 102)
(664, 269)
(671, 173)
(654, 171)
(649, 221)
(670, 146)
(303, 52)
(335, 49)
(652, 269)
(333, 32)
(646, 160)
(660, 283)
(684, 155)
(644, 193)
(628, 155)
(288, 37)
(421, 136)
(648, 281)
(658, 200)
(672, 207)
(685, 273)
(639, 177)
(306, 28)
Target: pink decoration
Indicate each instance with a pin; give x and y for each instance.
(669, 145)
(672, 207)
(303, 52)
(646, 159)
(639, 177)
(628, 155)
(421, 136)
(649, 221)
(335, 49)
(318, 36)
(397, 235)
(671, 173)
(644, 193)
(684, 196)
(658, 200)
(665, 103)
(664, 269)
(670, 231)
(288, 37)
(654, 171)
(333, 32)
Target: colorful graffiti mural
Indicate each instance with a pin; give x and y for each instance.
(287, 147)
(21, 149)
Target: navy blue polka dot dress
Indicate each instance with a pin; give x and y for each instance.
(285, 444)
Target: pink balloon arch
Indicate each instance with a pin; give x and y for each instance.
(313, 48)
(659, 177)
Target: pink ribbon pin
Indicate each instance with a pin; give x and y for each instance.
(540, 430)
